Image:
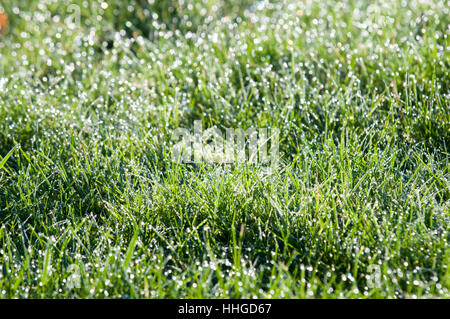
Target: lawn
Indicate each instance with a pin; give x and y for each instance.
(93, 205)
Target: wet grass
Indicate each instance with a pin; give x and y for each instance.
(91, 204)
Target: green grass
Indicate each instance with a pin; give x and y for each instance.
(359, 207)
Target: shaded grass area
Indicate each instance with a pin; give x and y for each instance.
(359, 206)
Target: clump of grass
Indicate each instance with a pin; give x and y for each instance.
(358, 208)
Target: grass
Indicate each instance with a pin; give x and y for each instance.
(359, 207)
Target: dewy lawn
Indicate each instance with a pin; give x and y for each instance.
(92, 203)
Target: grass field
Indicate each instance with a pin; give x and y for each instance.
(92, 206)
